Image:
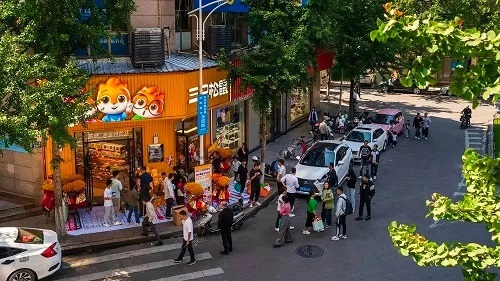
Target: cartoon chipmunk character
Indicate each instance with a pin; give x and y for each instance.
(113, 99)
(148, 103)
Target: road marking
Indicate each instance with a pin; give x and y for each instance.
(194, 275)
(124, 255)
(458, 194)
(126, 271)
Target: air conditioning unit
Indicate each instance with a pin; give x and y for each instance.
(148, 47)
(218, 38)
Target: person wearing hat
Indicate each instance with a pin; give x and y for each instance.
(366, 192)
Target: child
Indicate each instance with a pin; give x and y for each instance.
(407, 128)
(108, 204)
(280, 204)
(326, 211)
(394, 138)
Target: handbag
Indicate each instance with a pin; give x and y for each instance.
(318, 225)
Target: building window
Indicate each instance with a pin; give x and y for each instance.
(182, 21)
(230, 126)
(299, 104)
(236, 21)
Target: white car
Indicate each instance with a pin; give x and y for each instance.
(28, 254)
(374, 134)
(313, 165)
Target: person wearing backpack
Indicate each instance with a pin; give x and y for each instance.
(341, 212)
(365, 152)
(366, 192)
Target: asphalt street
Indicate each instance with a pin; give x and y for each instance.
(407, 177)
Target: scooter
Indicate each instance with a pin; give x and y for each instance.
(204, 222)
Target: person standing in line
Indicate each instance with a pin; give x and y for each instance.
(311, 212)
(284, 235)
(407, 128)
(146, 181)
(351, 184)
(116, 189)
(150, 220)
(187, 238)
(241, 177)
(417, 123)
(225, 223)
(426, 123)
(235, 164)
(341, 215)
(323, 130)
(282, 192)
(243, 153)
(255, 176)
(326, 210)
(313, 118)
(292, 183)
(132, 199)
(168, 189)
(281, 172)
(374, 159)
(366, 192)
(364, 153)
(394, 138)
(108, 204)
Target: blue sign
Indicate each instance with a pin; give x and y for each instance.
(237, 7)
(202, 114)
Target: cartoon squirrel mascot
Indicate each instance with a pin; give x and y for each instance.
(148, 103)
(113, 99)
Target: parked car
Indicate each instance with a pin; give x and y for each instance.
(373, 133)
(394, 85)
(313, 164)
(389, 119)
(28, 253)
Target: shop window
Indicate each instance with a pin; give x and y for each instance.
(187, 143)
(236, 21)
(230, 126)
(98, 154)
(299, 104)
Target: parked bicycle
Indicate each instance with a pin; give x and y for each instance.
(297, 147)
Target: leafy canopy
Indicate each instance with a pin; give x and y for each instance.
(438, 39)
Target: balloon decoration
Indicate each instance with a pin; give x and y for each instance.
(220, 188)
(195, 205)
(73, 188)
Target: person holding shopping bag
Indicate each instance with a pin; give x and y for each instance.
(284, 235)
(311, 212)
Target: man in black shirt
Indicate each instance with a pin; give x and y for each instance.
(242, 175)
(366, 192)
(243, 153)
(417, 123)
(365, 152)
(255, 176)
(146, 180)
(216, 163)
(225, 222)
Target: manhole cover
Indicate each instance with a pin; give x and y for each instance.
(309, 251)
(199, 240)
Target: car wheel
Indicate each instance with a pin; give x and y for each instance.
(448, 93)
(384, 147)
(22, 275)
(417, 91)
(384, 89)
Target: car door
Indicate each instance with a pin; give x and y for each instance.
(378, 138)
(341, 163)
(7, 262)
(400, 121)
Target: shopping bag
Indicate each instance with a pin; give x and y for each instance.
(238, 187)
(318, 225)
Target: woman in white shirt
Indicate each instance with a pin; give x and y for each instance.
(150, 220)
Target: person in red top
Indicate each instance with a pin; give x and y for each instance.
(284, 235)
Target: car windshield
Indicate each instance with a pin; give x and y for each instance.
(359, 136)
(383, 119)
(319, 155)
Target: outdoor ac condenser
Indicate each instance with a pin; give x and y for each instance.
(148, 47)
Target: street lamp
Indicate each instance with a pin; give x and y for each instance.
(200, 36)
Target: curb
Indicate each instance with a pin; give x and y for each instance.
(126, 241)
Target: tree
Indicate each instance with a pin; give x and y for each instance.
(351, 23)
(276, 63)
(42, 88)
(481, 204)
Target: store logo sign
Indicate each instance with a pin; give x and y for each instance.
(213, 90)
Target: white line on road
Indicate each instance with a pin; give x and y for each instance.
(126, 271)
(194, 275)
(124, 255)
(458, 194)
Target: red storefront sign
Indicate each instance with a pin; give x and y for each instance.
(237, 92)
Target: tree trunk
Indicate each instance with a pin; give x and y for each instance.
(263, 143)
(341, 89)
(351, 100)
(56, 168)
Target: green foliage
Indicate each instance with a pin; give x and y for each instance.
(438, 39)
(481, 204)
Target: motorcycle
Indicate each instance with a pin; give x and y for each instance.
(204, 222)
(464, 122)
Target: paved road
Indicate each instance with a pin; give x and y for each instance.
(408, 175)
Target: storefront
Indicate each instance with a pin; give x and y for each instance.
(140, 120)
